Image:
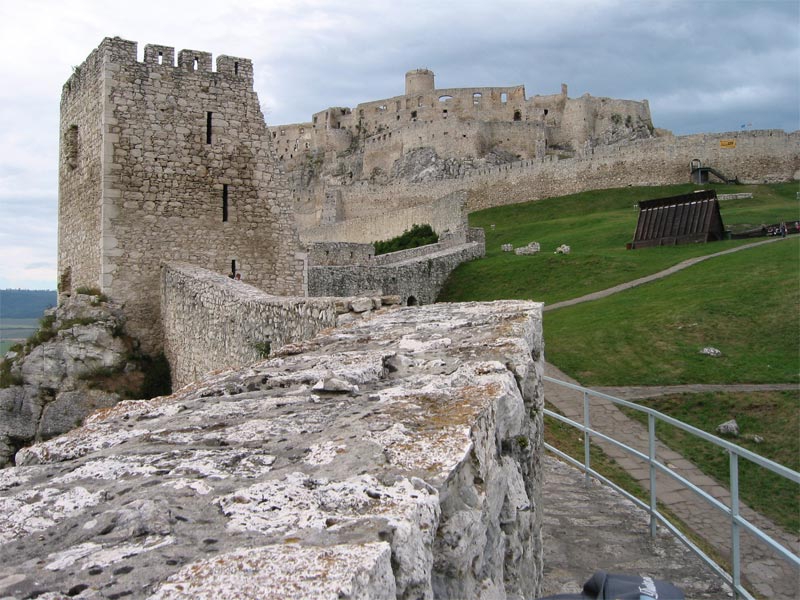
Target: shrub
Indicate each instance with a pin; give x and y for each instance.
(418, 235)
(7, 379)
(263, 348)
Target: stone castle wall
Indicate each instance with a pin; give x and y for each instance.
(212, 322)
(453, 138)
(397, 457)
(443, 214)
(82, 153)
(415, 276)
(178, 163)
(759, 156)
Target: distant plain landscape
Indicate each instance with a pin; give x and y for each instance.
(20, 311)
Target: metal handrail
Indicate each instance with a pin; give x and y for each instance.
(737, 521)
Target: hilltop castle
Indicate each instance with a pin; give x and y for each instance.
(462, 123)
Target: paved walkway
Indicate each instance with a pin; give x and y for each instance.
(768, 575)
(590, 528)
(765, 572)
(660, 275)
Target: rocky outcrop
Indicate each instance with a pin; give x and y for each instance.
(424, 164)
(78, 340)
(394, 457)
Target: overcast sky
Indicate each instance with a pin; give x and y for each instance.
(705, 66)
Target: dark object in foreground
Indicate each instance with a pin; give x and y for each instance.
(623, 587)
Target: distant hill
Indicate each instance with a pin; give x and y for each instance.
(26, 304)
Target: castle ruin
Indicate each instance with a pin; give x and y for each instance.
(461, 123)
(163, 162)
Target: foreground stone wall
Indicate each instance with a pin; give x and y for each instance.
(212, 322)
(396, 457)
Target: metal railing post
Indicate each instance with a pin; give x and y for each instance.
(735, 562)
(586, 437)
(651, 440)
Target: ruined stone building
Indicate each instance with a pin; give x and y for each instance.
(462, 123)
(168, 162)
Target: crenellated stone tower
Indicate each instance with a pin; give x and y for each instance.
(162, 162)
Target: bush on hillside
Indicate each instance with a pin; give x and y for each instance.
(418, 235)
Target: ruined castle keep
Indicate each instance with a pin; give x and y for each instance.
(462, 123)
(162, 161)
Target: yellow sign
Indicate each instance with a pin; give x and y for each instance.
(727, 143)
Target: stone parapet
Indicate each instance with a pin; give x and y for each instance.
(396, 457)
(415, 275)
(212, 322)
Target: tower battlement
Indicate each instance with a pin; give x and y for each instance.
(164, 159)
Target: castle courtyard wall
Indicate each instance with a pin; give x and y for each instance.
(765, 156)
(445, 214)
(415, 276)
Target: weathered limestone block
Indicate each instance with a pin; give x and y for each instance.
(74, 352)
(531, 248)
(396, 457)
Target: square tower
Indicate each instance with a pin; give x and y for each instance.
(162, 162)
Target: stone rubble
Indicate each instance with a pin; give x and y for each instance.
(531, 248)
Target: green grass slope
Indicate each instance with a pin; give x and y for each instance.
(745, 304)
(596, 225)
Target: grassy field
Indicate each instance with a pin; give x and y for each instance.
(745, 304)
(773, 416)
(13, 331)
(596, 225)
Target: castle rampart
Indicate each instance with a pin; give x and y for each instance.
(765, 156)
(212, 322)
(164, 162)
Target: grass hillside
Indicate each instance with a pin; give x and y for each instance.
(745, 303)
(596, 225)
